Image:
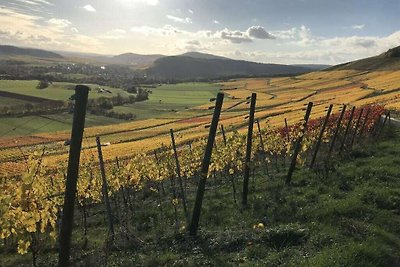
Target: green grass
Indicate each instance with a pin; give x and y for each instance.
(174, 98)
(56, 91)
(349, 218)
(8, 101)
(28, 125)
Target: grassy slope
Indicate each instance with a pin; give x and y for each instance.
(56, 91)
(350, 218)
(29, 125)
(174, 97)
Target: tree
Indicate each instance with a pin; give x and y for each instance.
(43, 84)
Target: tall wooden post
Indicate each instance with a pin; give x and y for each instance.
(347, 129)
(194, 224)
(336, 131)
(321, 134)
(178, 172)
(104, 189)
(223, 133)
(356, 128)
(78, 124)
(246, 173)
(364, 123)
(298, 144)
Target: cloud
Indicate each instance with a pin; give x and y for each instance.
(235, 37)
(89, 8)
(193, 42)
(259, 32)
(358, 26)
(36, 2)
(60, 23)
(190, 11)
(166, 30)
(179, 19)
(36, 31)
(215, 21)
(114, 34)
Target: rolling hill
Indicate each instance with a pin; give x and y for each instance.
(202, 66)
(389, 60)
(8, 50)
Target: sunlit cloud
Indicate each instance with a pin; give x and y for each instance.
(89, 8)
(358, 26)
(179, 19)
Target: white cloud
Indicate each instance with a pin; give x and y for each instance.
(179, 19)
(36, 31)
(89, 8)
(36, 2)
(235, 37)
(114, 34)
(215, 21)
(61, 23)
(358, 26)
(190, 11)
(259, 32)
(74, 30)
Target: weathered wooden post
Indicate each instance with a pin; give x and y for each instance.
(223, 134)
(178, 172)
(364, 123)
(194, 224)
(321, 134)
(78, 124)
(298, 144)
(347, 129)
(383, 125)
(336, 131)
(104, 190)
(356, 128)
(246, 173)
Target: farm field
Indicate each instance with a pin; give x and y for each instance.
(56, 91)
(184, 108)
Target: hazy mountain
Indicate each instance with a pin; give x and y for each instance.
(202, 55)
(186, 68)
(135, 59)
(390, 60)
(9, 50)
(313, 66)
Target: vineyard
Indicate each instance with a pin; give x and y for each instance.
(160, 183)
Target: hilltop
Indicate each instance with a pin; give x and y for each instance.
(187, 67)
(8, 50)
(389, 60)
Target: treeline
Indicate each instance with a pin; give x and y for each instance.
(26, 109)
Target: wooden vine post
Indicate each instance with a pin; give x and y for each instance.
(78, 124)
(298, 144)
(356, 128)
(335, 134)
(321, 134)
(104, 190)
(178, 172)
(347, 129)
(194, 224)
(246, 173)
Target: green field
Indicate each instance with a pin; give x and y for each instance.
(167, 99)
(56, 91)
(48, 123)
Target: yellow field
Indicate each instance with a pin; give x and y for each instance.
(277, 99)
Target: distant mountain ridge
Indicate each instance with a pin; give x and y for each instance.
(10, 50)
(389, 60)
(187, 67)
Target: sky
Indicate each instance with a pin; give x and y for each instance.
(269, 31)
